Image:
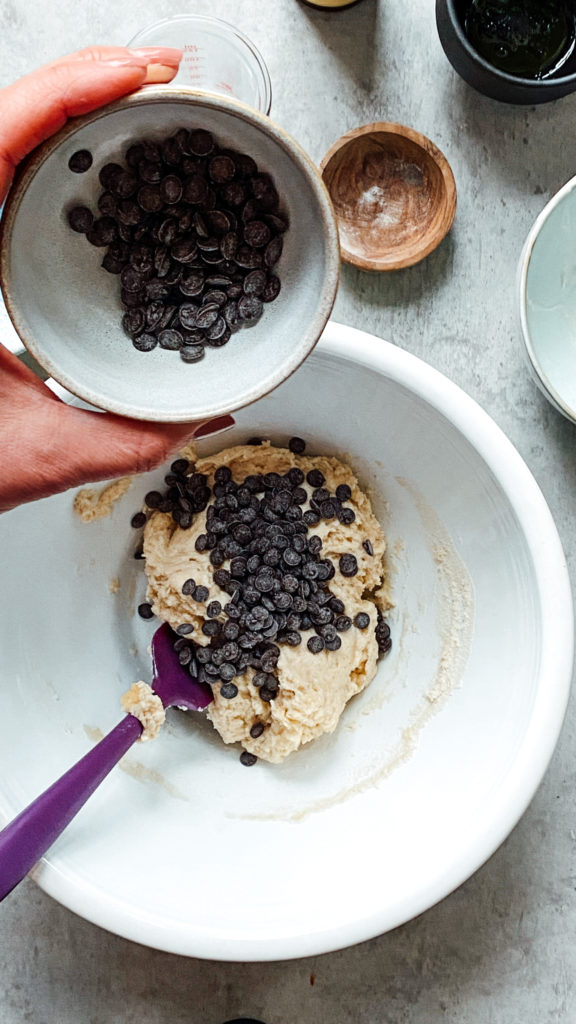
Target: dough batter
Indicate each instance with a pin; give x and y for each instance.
(299, 689)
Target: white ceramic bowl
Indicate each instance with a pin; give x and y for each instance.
(547, 300)
(67, 309)
(430, 767)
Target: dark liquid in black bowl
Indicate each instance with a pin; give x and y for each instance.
(528, 38)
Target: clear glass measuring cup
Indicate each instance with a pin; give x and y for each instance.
(217, 57)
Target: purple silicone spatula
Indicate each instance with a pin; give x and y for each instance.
(28, 836)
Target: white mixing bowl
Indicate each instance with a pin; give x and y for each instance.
(186, 850)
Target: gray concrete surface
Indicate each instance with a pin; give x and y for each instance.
(502, 949)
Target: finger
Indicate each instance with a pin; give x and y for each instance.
(38, 105)
(92, 446)
(147, 54)
(14, 373)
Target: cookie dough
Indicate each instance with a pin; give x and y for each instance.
(91, 504)
(313, 688)
(141, 701)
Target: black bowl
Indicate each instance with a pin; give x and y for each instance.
(487, 79)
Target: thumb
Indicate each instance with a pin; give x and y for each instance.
(95, 446)
(37, 105)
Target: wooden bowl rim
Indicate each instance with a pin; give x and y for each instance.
(432, 155)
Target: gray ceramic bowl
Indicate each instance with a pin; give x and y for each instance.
(547, 300)
(67, 309)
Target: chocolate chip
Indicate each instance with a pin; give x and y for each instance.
(214, 295)
(269, 659)
(293, 639)
(149, 171)
(221, 169)
(218, 333)
(229, 690)
(320, 495)
(368, 548)
(207, 315)
(200, 142)
(192, 283)
(291, 557)
(80, 161)
(315, 644)
(170, 339)
(184, 250)
(328, 633)
(315, 545)
(267, 694)
(80, 219)
(231, 631)
(320, 616)
(138, 520)
(153, 499)
(192, 353)
(297, 445)
(133, 322)
(257, 234)
(249, 307)
(344, 622)
(343, 492)
(201, 594)
(315, 478)
(328, 509)
(256, 730)
(184, 654)
(171, 151)
(102, 232)
(213, 609)
(348, 565)
(222, 578)
(273, 251)
(247, 759)
(184, 629)
(145, 342)
(171, 189)
(362, 620)
(346, 516)
(145, 611)
(271, 289)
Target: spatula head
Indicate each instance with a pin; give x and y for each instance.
(172, 681)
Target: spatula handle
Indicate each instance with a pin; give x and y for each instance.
(25, 839)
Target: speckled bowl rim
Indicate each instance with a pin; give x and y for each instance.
(538, 374)
(181, 94)
(431, 241)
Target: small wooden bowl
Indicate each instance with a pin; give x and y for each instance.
(394, 195)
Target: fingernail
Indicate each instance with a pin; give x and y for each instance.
(159, 73)
(126, 62)
(158, 54)
(214, 426)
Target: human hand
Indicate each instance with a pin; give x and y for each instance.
(47, 446)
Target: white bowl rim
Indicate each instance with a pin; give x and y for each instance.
(542, 379)
(537, 747)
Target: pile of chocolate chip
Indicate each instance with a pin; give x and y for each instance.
(194, 231)
(277, 579)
